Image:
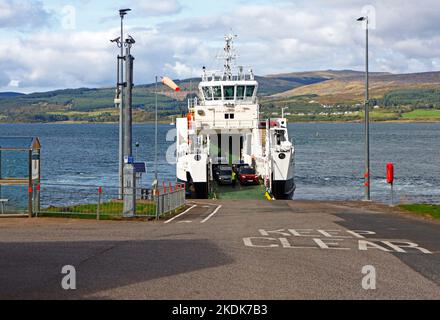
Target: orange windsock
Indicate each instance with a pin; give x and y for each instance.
(170, 83)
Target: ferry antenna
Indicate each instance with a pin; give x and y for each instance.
(229, 55)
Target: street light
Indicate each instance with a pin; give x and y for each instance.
(367, 175)
(119, 98)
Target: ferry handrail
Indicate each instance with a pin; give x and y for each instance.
(227, 124)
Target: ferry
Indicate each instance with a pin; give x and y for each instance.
(224, 128)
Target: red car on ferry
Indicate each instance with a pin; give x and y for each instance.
(247, 175)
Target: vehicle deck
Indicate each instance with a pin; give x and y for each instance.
(239, 192)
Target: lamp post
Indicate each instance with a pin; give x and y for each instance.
(119, 98)
(367, 175)
(156, 182)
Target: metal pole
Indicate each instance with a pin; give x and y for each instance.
(121, 112)
(156, 137)
(30, 186)
(367, 123)
(0, 173)
(128, 122)
(392, 194)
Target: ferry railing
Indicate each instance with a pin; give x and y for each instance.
(240, 77)
(227, 124)
(104, 203)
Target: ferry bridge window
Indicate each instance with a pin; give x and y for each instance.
(240, 92)
(217, 93)
(207, 92)
(250, 91)
(229, 92)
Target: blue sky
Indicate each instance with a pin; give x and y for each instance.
(65, 44)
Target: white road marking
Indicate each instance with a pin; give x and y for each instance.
(212, 214)
(172, 219)
(204, 204)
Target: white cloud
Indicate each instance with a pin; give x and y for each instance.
(53, 60)
(274, 37)
(181, 70)
(14, 83)
(22, 14)
(156, 7)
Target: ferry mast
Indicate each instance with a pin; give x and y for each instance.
(229, 56)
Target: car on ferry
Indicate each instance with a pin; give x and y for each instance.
(248, 175)
(224, 175)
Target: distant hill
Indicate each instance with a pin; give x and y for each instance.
(326, 74)
(302, 92)
(10, 94)
(269, 85)
(350, 87)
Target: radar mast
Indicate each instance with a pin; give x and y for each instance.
(229, 56)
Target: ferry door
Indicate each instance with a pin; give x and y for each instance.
(235, 143)
(226, 149)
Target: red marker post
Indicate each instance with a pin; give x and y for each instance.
(390, 180)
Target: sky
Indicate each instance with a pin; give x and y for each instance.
(48, 44)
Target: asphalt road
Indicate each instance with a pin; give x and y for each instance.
(227, 250)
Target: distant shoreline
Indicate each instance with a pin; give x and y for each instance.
(167, 123)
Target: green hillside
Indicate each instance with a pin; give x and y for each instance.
(414, 97)
(308, 96)
(80, 105)
(96, 105)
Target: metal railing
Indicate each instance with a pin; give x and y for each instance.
(214, 76)
(226, 124)
(171, 199)
(104, 203)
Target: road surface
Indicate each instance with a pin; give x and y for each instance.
(227, 250)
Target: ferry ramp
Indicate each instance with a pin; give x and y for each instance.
(239, 192)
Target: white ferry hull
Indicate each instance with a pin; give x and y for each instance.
(192, 170)
(283, 175)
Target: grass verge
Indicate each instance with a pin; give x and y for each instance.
(108, 211)
(425, 210)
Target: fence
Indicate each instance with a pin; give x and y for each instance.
(104, 203)
(171, 199)
(14, 200)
